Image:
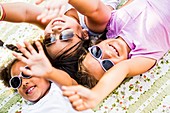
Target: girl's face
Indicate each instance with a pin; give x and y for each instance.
(115, 50)
(33, 88)
(55, 27)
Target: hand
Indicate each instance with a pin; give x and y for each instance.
(36, 60)
(52, 9)
(38, 1)
(80, 97)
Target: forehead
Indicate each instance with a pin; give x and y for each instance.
(15, 69)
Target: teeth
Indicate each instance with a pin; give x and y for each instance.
(58, 22)
(30, 89)
(114, 49)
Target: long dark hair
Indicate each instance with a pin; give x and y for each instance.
(68, 61)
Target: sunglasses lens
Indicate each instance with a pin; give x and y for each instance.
(23, 75)
(107, 64)
(49, 41)
(15, 82)
(96, 51)
(66, 34)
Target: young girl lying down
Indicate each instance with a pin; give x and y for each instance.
(40, 93)
(138, 36)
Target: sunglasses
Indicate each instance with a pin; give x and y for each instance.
(16, 81)
(65, 35)
(96, 52)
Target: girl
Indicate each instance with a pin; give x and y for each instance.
(63, 35)
(40, 93)
(142, 31)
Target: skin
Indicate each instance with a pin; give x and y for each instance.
(70, 19)
(83, 98)
(21, 12)
(54, 9)
(61, 23)
(56, 26)
(115, 50)
(39, 85)
(40, 65)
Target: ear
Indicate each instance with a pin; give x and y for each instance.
(85, 34)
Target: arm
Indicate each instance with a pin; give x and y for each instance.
(109, 81)
(96, 13)
(23, 12)
(119, 72)
(40, 65)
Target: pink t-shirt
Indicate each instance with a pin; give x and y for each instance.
(144, 25)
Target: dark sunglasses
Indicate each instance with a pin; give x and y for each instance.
(65, 35)
(16, 81)
(96, 52)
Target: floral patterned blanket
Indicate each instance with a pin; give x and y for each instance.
(148, 92)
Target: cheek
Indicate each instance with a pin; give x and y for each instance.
(93, 68)
(51, 51)
(42, 86)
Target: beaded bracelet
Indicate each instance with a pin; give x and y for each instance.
(2, 13)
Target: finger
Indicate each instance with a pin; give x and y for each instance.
(81, 107)
(38, 1)
(40, 48)
(62, 11)
(20, 57)
(26, 71)
(69, 88)
(74, 97)
(68, 93)
(30, 48)
(82, 91)
(23, 50)
(42, 15)
(77, 103)
(52, 14)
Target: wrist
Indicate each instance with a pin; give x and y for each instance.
(2, 13)
(49, 73)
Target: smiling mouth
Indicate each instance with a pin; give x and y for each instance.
(115, 50)
(57, 22)
(29, 90)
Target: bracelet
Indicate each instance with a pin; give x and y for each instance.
(2, 13)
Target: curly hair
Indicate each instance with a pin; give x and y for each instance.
(5, 73)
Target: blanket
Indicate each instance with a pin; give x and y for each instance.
(148, 92)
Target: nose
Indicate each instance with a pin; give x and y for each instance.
(48, 30)
(25, 82)
(105, 54)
